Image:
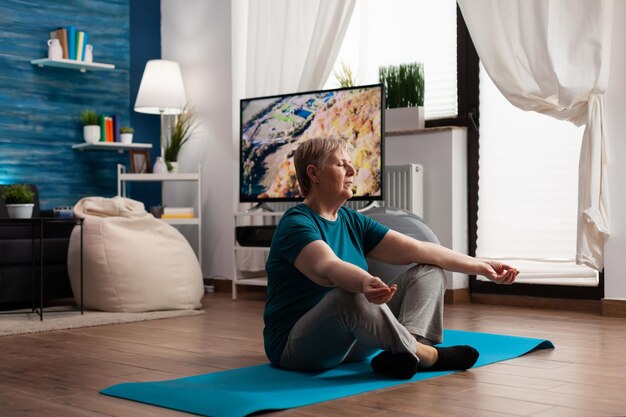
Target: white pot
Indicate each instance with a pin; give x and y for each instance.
(126, 137)
(91, 133)
(404, 119)
(173, 167)
(20, 211)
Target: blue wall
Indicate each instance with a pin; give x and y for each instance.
(40, 107)
(145, 44)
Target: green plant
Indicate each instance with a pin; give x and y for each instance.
(179, 135)
(404, 84)
(126, 129)
(89, 117)
(344, 76)
(18, 194)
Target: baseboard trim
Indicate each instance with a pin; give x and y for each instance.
(614, 308)
(588, 306)
(457, 296)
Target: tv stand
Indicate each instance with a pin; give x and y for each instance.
(256, 215)
(370, 204)
(259, 206)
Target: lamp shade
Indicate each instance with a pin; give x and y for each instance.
(161, 90)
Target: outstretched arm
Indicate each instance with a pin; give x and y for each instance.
(396, 248)
(320, 264)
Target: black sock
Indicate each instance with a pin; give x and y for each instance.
(399, 365)
(454, 358)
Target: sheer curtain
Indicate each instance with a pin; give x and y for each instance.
(282, 46)
(424, 31)
(552, 57)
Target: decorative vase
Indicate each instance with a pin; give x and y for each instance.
(404, 119)
(91, 133)
(159, 166)
(54, 49)
(172, 166)
(126, 137)
(20, 211)
(88, 54)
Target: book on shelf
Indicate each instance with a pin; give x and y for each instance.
(177, 216)
(80, 44)
(109, 128)
(178, 213)
(71, 41)
(116, 128)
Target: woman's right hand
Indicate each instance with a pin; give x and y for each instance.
(376, 291)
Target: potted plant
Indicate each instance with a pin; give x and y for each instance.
(344, 76)
(126, 134)
(179, 135)
(19, 199)
(91, 128)
(404, 96)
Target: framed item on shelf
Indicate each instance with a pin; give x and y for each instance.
(140, 161)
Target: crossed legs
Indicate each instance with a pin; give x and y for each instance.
(344, 327)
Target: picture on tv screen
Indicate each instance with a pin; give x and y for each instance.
(273, 127)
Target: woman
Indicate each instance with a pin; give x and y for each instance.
(324, 308)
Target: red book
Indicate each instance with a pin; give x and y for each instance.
(109, 128)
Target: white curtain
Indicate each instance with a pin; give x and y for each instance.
(553, 57)
(282, 46)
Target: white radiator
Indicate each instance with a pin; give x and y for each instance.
(403, 188)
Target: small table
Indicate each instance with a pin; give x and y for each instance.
(38, 224)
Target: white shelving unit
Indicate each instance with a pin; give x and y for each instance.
(123, 178)
(237, 278)
(72, 64)
(110, 146)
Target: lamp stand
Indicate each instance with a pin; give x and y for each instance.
(162, 139)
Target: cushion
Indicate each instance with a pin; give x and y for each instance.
(132, 262)
(401, 221)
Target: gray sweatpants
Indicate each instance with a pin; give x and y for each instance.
(345, 327)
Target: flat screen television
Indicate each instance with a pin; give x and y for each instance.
(273, 127)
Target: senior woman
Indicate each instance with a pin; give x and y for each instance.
(323, 307)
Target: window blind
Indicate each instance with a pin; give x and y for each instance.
(393, 32)
(528, 188)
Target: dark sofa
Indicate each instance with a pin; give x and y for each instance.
(16, 271)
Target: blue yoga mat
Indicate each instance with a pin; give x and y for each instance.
(239, 392)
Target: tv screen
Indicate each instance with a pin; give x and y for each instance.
(273, 127)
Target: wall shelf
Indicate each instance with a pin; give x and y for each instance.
(72, 64)
(110, 146)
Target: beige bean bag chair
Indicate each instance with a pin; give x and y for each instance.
(131, 261)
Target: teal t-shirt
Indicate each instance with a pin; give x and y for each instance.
(290, 294)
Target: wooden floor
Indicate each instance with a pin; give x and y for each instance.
(60, 373)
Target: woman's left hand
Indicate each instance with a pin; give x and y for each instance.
(498, 272)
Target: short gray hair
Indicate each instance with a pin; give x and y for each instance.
(314, 152)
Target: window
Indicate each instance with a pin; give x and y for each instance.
(528, 190)
(393, 32)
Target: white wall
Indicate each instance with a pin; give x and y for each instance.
(614, 111)
(197, 34)
(443, 153)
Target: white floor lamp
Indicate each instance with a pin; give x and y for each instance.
(161, 92)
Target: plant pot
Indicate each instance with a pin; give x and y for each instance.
(404, 119)
(20, 211)
(126, 137)
(172, 166)
(91, 133)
